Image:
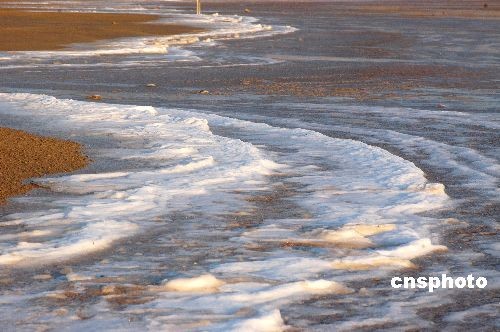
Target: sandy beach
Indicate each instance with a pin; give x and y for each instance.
(23, 30)
(24, 156)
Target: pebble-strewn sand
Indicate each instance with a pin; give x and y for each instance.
(24, 156)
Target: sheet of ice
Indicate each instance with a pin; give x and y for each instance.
(250, 305)
(114, 205)
(204, 283)
(266, 323)
(358, 208)
(475, 169)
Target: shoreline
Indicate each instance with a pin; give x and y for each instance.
(24, 30)
(24, 156)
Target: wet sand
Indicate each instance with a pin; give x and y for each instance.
(467, 9)
(434, 9)
(22, 30)
(24, 156)
(367, 82)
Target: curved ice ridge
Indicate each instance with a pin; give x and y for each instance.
(189, 168)
(193, 169)
(362, 209)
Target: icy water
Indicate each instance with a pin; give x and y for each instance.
(331, 153)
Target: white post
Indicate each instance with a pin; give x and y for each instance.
(198, 7)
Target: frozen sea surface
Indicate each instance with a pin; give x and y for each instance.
(260, 206)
